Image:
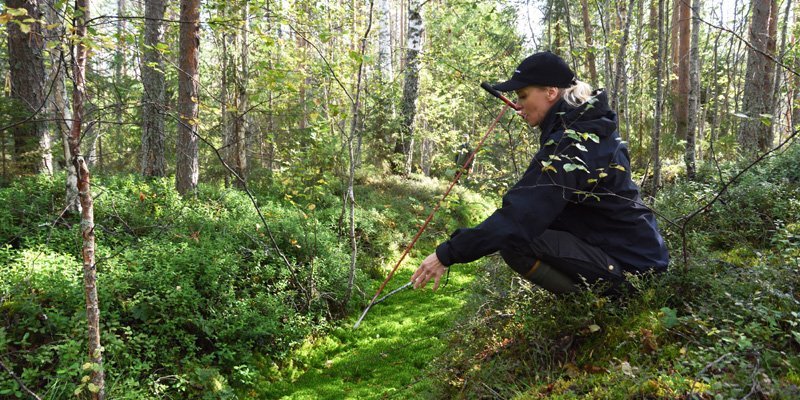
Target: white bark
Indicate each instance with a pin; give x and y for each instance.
(384, 41)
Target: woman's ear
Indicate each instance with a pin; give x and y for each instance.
(552, 93)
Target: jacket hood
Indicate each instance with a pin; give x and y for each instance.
(594, 115)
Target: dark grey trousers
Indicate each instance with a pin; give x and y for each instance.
(567, 254)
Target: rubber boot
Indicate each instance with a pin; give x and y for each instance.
(550, 279)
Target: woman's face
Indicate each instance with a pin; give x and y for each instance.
(535, 102)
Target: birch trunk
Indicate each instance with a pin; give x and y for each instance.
(187, 168)
(694, 93)
(58, 106)
(241, 126)
(384, 41)
(80, 52)
(405, 145)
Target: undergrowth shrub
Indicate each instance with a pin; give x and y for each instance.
(725, 326)
(196, 294)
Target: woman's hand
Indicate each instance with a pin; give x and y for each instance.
(431, 268)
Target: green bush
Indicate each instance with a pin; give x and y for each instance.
(194, 295)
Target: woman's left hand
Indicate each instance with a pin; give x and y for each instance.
(431, 268)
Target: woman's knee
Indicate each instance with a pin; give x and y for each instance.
(518, 261)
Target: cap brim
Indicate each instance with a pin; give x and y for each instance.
(510, 85)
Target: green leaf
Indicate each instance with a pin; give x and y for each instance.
(93, 388)
(740, 115)
(669, 317)
(580, 147)
(550, 142)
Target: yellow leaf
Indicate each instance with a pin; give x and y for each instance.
(93, 388)
(549, 168)
(87, 366)
(25, 28)
(311, 207)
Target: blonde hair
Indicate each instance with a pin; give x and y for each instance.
(577, 94)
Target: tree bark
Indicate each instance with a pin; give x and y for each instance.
(405, 145)
(587, 31)
(694, 93)
(57, 104)
(80, 52)
(153, 161)
(754, 135)
(187, 165)
(32, 143)
(241, 126)
(674, 46)
(384, 41)
(795, 88)
(619, 70)
(682, 100)
(660, 59)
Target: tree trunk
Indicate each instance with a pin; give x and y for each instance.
(694, 92)
(754, 135)
(682, 100)
(32, 151)
(674, 46)
(776, 95)
(153, 162)
(795, 106)
(619, 70)
(187, 168)
(352, 157)
(384, 41)
(570, 36)
(660, 58)
(80, 52)
(241, 126)
(57, 104)
(587, 31)
(226, 115)
(405, 145)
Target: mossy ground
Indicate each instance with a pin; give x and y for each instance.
(388, 356)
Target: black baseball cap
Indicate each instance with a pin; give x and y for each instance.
(540, 69)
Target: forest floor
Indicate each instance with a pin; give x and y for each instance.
(387, 356)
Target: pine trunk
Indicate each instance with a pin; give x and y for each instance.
(187, 165)
(32, 152)
(660, 59)
(587, 31)
(754, 135)
(682, 100)
(795, 110)
(153, 161)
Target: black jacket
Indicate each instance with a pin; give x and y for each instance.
(579, 182)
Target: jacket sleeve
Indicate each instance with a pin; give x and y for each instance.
(527, 210)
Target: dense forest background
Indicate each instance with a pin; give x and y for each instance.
(215, 185)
